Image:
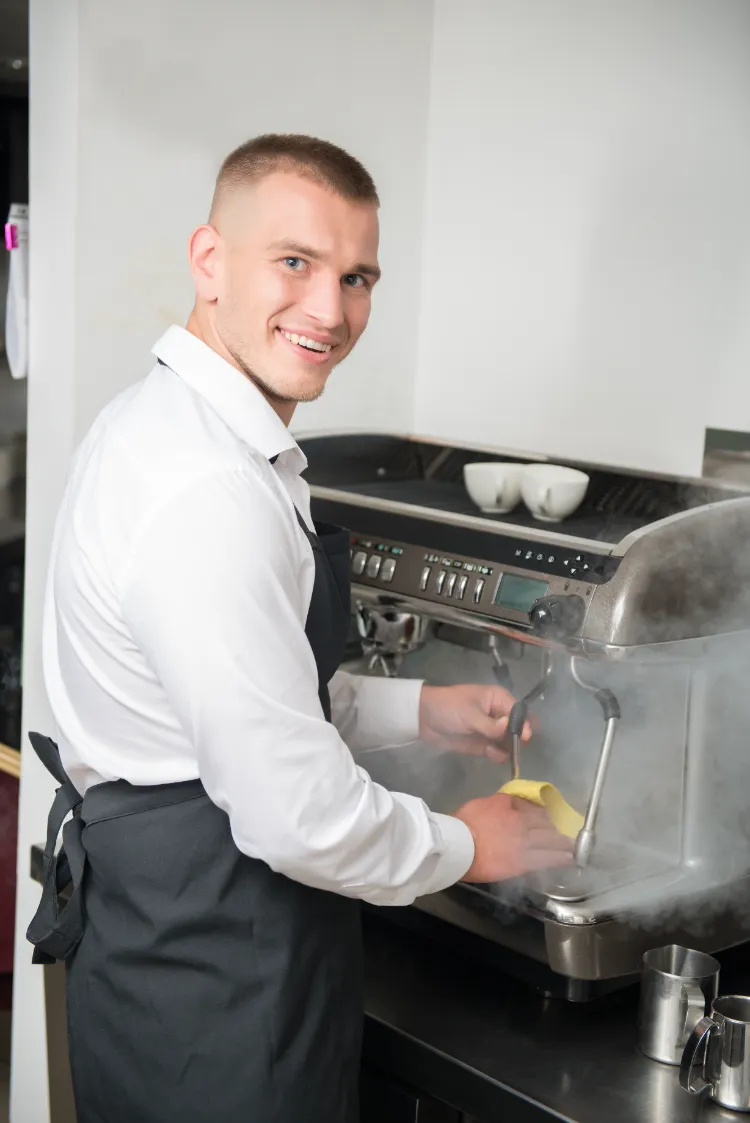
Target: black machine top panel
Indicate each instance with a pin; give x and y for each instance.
(431, 475)
(376, 530)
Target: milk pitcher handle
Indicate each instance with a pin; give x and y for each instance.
(695, 1006)
(697, 1041)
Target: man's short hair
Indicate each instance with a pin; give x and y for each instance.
(307, 156)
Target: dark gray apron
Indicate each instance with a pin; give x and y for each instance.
(202, 987)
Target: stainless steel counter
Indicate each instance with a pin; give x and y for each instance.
(493, 1049)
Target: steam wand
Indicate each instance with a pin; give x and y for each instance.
(387, 662)
(500, 668)
(611, 710)
(520, 712)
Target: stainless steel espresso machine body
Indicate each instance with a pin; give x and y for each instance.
(625, 631)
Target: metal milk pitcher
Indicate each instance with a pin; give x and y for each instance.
(717, 1056)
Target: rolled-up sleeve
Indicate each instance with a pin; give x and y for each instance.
(213, 595)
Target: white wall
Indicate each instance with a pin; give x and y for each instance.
(166, 93)
(133, 106)
(587, 245)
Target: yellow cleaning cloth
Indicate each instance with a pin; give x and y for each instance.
(564, 818)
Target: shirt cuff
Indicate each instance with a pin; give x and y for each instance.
(388, 709)
(457, 856)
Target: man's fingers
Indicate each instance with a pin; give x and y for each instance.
(479, 746)
(540, 839)
(532, 814)
(493, 728)
(500, 701)
(547, 859)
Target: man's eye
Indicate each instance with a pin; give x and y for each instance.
(295, 263)
(354, 280)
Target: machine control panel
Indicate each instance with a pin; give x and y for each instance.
(506, 592)
(573, 564)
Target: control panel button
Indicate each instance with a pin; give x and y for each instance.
(358, 565)
(425, 577)
(440, 581)
(461, 589)
(478, 589)
(373, 565)
(388, 569)
(451, 584)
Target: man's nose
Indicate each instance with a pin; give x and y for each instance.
(323, 301)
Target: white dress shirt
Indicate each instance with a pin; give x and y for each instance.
(174, 643)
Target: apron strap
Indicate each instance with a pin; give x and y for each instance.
(56, 928)
(49, 754)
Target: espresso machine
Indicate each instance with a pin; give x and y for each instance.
(624, 633)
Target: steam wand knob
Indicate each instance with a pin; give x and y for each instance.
(554, 617)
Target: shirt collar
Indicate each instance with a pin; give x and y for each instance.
(238, 402)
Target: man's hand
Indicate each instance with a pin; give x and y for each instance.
(467, 719)
(511, 837)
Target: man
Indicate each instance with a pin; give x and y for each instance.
(194, 625)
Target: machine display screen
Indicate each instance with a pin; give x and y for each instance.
(519, 592)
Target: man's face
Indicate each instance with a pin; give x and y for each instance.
(292, 278)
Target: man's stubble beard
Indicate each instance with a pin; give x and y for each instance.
(267, 391)
(271, 395)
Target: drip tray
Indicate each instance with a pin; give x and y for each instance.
(608, 870)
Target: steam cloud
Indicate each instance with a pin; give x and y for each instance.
(674, 827)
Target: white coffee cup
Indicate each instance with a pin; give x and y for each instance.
(552, 492)
(495, 486)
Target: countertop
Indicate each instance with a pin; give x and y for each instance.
(493, 1049)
